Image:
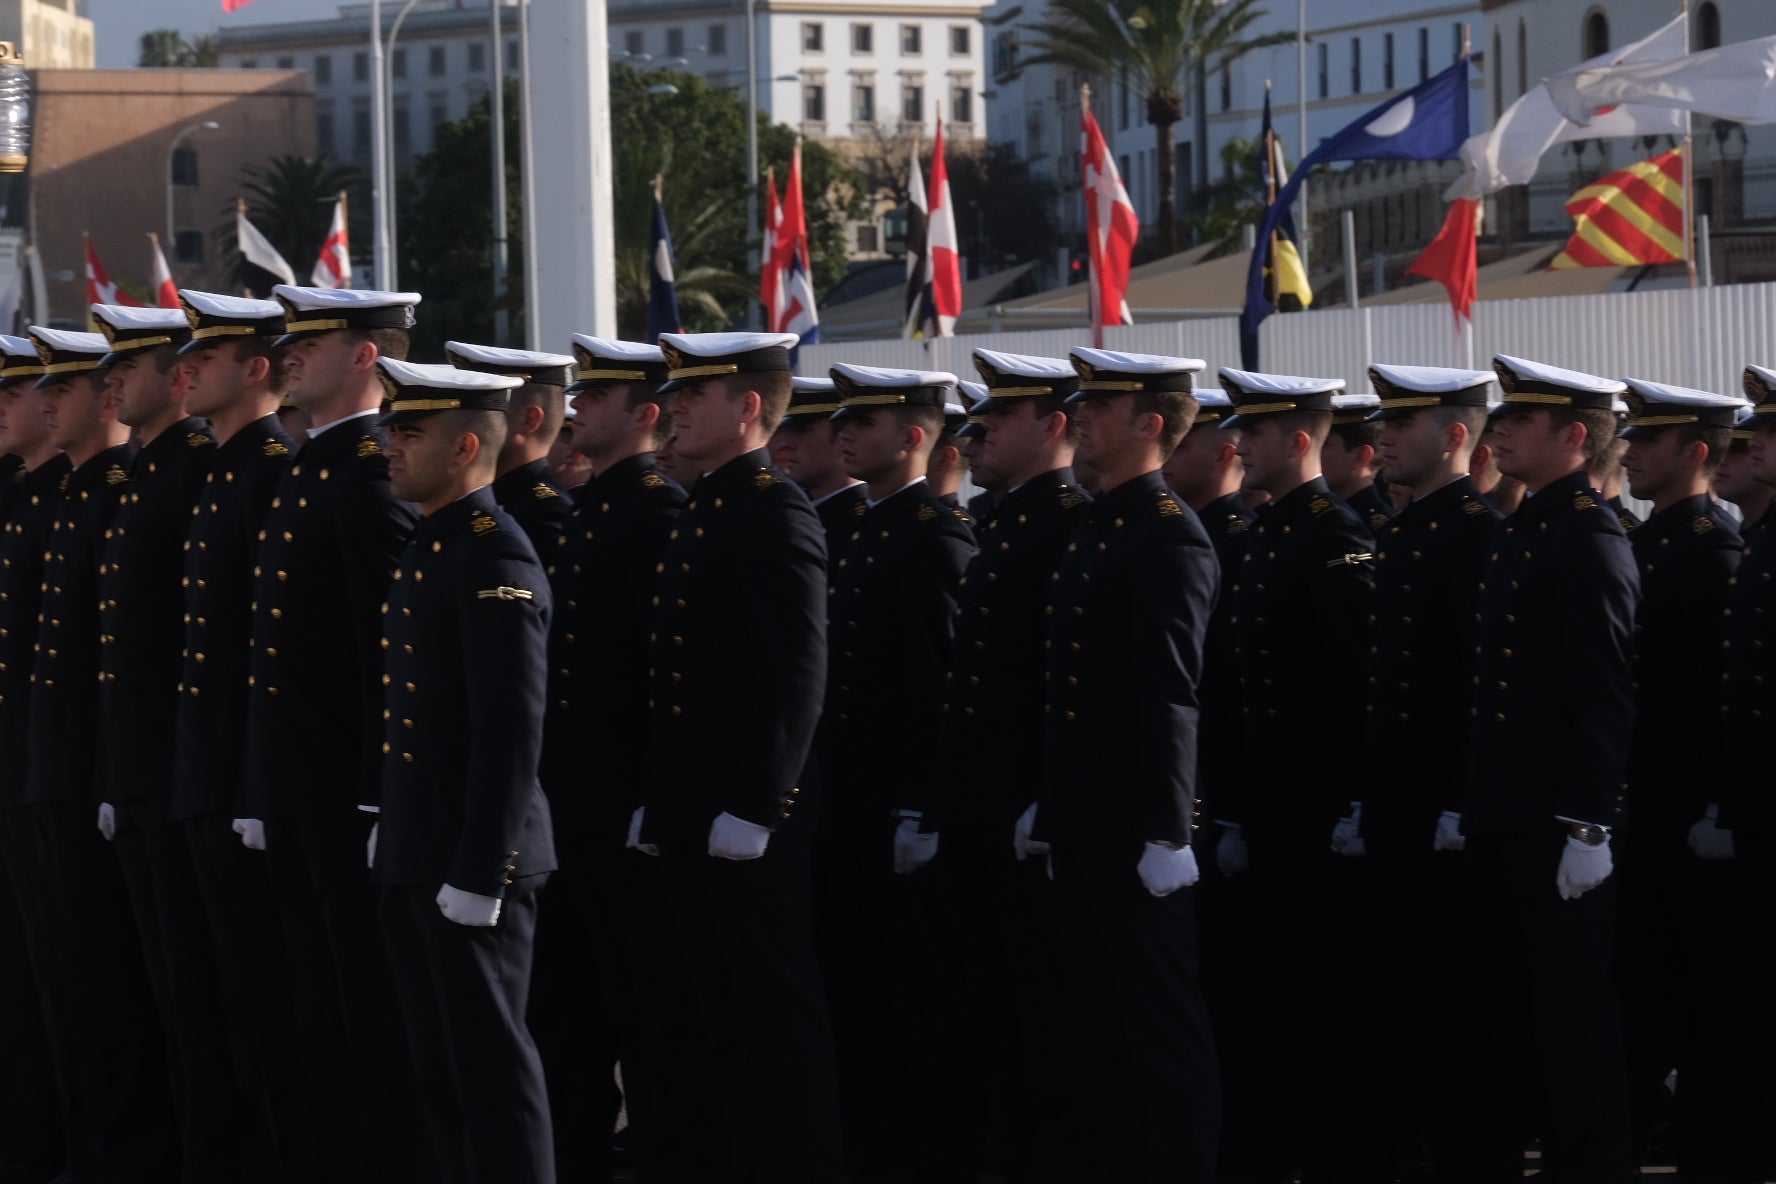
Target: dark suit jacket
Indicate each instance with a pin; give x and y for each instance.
(1228, 522)
(534, 498)
(35, 498)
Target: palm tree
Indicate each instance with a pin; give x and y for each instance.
(1157, 47)
(698, 222)
(290, 199)
(162, 49)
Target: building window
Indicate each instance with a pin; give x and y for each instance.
(912, 40)
(1708, 31)
(1387, 61)
(477, 57)
(717, 38)
(360, 67)
(398, 64)
(1356, 65)
(184, 167)
(435, 61)
(813, 99)
(866, 239)
(962, 98)
(961, 40)
(675, 43)
(1597, 42)
(863, 39)
(813, 37)
(512, 57)
(403, 128)
(1122, 102)
(1226, 89)
(286, 63)
(632, 43)
(912, 97)
(1424, 53)
(440, 113)
(1325, 56)
(324, 132)
(249, 63)
(361, 131)
(188, 246)
(863, 98)
(323, 70)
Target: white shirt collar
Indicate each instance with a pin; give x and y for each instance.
(318, 428)
(902, 489)
(827, 497)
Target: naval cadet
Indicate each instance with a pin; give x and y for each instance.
(35, 1038)
(891, 620)
(947, 466)
(1734, 482)
(568, 463)
(327, 552)
(1607, 473)
(1298, 606)
(1349, 460)
(1117, 805)
(1674, 907)
(806, 447)
(235, 378)
(1504, 493)
(527, 487)
(586, 1011)
(120, 1106)
(142, 607)
(737, 669)
(968, 441)
(1553, 711)
(981, 800)
(462, 847)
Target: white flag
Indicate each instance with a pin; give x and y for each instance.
(257, 249)
(1736, 82)
(1508, 152)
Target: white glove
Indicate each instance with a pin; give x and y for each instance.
(1449, 833)
(1165, 869)
(1582, 868)
(1231, 855)
(634, 839)
(1021, 842)
(108, 821)
(736, 838)
(1345, 839)
(370, 846)
(466, 908)
(1710, 840)
(252, 833)
(912, 850)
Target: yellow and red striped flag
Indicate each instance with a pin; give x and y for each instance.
(1635, 215)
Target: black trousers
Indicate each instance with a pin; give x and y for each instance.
(750, 1084)
(181, 964)
(1536, 1019)
(121, 1125)
(346, 1016)
(1137, 1050)
(586, 1009)
(33, 1146)
(276, 1102)
(463, 993)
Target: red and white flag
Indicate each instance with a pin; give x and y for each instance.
(770, 275)
(234, 5)
(943, 260)
(166, 292)
(795, 311)
(99, 288)
(334, 268)
(1111, 231)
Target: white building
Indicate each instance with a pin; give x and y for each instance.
(52, 34)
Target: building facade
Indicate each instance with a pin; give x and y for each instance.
(52, 34)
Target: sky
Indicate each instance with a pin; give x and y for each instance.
(118, 25)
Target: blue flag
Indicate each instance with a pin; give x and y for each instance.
(1428, 122)
(662, 295)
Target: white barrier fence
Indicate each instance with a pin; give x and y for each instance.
(1696, 338)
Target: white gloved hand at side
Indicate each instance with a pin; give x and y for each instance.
(1708, 839)
(1165, 869)
(1345, 837)
(736, 838)
(634, 839)
(1582, 868)
(912, 850)
(252, 833)
(1449, 834)
(108, 821)
(1231, 855)
(1021, 842)
(466, 908)
(370, 846)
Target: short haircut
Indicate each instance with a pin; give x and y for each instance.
(1176, 411)
(1715, 440)
(773, 387)
(549, 398)
(1355, 435)
(1317, 424)
(253, 346)
(1600, 430)
(389, 343)
(1472, 418)
(1047, 405)
(637, 393)
(487, 426)
(930, 419)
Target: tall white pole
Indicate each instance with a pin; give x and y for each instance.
(576, 271)
(1302, 226)
(753, 231)
(527, 149)
(389, 188)
(379, 149)
(500, 316)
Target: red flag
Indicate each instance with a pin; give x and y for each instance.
(770, 277)
(234, 5)
(166, 292)
(1111, 231)
(795, 312)
(99, 288)
(1451, 260)
(943, 265)
(334, 268)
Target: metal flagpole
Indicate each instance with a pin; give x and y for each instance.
(527, 148)
(379, 147)
(753, 262)
(500, 315)
(1303, 228)
(1689, 170)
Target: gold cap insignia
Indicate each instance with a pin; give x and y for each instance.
(1756, 389)
(108, 329)
(1636, 403)
(674, 359)
(368, 448)
(115, 475)
(1086, 370)
(274, 448)
(1506, 376)
(543, 491)
(192, 316)
(652, 481)
(483, 523)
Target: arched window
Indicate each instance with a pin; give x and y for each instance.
(1597, 38)
(1522, 59)
(1708, 30)
(184, 166)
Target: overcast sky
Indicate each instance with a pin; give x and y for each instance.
(119, 24)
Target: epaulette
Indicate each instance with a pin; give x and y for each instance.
(275, 448)
(652, 481)
(1319, 506)
(1703, 524)
(964, 519)
(543, 491)
(198, 440)
(368, 448)
(1169, 508)
(764, 479)
(115, 475)
(483, 524)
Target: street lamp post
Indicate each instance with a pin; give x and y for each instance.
(497, 113)
(752, 157)
(208, 125)
(387, 178)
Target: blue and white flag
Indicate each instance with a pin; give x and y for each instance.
(662, 294)
(1428, 122)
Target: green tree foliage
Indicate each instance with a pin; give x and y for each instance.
(290, 199)
(169, 49)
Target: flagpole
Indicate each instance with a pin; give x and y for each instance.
(1689, 168)
(1270, 197)
(1305, 229)
(1091, 256)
